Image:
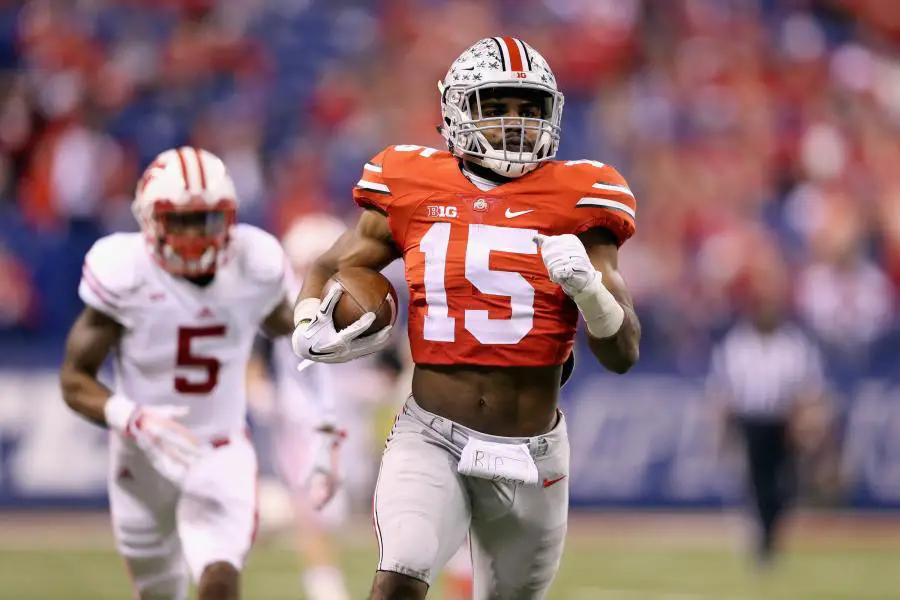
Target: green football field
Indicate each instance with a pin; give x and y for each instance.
(610, 557)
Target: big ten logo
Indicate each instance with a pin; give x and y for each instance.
(521, 75)
(445, 212)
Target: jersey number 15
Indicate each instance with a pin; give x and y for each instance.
(482, 240)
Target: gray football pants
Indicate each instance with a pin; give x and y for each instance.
(423, 508)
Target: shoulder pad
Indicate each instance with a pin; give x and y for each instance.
(259, 253)
(581, 175)
(601, 197)
(112, 263)
(111, 275)
(372, 190)
(405, 160)
(386, 175)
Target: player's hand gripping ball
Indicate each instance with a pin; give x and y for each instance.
(355, 318)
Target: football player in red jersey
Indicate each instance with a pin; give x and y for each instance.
(503, 246)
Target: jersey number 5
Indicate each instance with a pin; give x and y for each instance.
(482, 240)
(187, 358)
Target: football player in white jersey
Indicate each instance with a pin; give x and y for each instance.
(302, 403)
(178, 306)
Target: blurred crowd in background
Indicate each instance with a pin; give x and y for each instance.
(760, 138)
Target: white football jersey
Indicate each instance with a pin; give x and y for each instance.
(183, 344)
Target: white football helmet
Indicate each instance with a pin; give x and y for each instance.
(514, 68)
(186, 204)
(309, 237)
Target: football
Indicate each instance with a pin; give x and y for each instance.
(365, 291)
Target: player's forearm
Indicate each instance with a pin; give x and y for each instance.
(313, 290)
(280, 321)
(316, 277)
(614, 332)
(84, 394)
(619, 352)
(370, 245)
(89, 342)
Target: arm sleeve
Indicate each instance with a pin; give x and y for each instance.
(105, 280)
(607, 202)
(372, 190)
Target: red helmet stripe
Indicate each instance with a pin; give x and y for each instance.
(524, 52)
(515, 56)
(184, 170)
(200, 168)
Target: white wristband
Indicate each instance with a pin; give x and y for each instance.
(603, 314)
(118, 411)
(306, 310)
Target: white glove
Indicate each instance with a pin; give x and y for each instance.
(569, 267)
(324, 478)
(567, 262)
(316, 339)
(169, 445)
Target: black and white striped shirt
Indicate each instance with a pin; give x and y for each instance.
(762, 374)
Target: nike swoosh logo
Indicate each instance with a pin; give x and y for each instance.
(549, 482)
(510, 214)
(314, 353)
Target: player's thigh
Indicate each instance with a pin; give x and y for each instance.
(516, 559)
(518, 532)
(216, 514)
(421, 510)
(142, 510)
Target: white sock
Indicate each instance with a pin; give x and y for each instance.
(324, 583)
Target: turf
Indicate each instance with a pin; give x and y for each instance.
(605, 560)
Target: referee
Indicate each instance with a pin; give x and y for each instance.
(766, 378)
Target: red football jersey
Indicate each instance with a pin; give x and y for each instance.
(479, 293)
